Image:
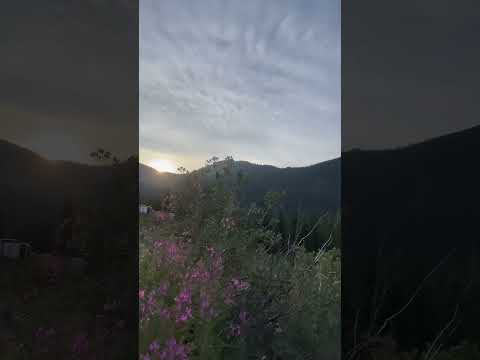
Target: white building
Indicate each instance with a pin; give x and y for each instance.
(144, 209)
(14, 249)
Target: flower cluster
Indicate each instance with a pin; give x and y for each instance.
(151, 304)
(193, 289)
(232, 290)
(170, 351)
(169, 252)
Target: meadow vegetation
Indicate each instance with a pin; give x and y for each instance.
(49, 312)
(222, 281)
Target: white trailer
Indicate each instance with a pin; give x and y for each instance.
(144, 209)
(14, 249)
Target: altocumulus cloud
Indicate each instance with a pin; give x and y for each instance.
(256, 79)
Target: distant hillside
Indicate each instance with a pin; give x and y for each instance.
(314, 189)
(153, 184)
(403, 211)
(34, 190)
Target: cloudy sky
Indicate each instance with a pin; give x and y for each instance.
(409, 71)
(69, 77)
(258, 80)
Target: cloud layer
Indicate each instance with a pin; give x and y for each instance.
(258, 80)
(69, 77)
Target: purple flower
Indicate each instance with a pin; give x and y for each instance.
(174, 351)
(183, 297)
(162, 289)
(154, 347)
(240, 285)
(185, 315)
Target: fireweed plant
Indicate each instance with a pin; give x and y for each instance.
(219, 282)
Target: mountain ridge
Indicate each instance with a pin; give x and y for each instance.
(34, 191)
(305, 186)
(403, 211)
(245, 163)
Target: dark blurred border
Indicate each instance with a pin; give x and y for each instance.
(410, 135)
(69, 179)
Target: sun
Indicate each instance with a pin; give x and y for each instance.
(163, 165)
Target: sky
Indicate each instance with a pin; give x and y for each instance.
(69, 77)
(258, 80)
(409, 71)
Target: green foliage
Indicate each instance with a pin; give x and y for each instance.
(315, 189)
(314, 232)
(293, 300)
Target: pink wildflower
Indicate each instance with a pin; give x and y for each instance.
(154, 347)
(174, 351)
(162, 289)
(185, 315)
(240, 285)
(183, 297)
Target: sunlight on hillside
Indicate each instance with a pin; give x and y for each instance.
(163, 165)
(159, 161)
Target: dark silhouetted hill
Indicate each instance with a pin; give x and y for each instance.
(314, 189)
(403, 211)
(153, 184)
(34, 190)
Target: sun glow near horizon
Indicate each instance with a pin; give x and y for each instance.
(159, 161)
(235, 76)
(163, 165)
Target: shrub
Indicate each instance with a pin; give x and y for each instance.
(228, 290)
